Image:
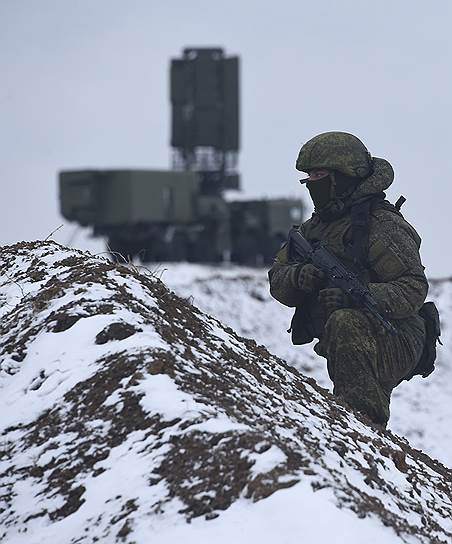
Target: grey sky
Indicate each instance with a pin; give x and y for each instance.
(85, 84)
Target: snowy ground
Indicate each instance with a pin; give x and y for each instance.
(125, 411)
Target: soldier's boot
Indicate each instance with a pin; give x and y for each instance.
(350, 347)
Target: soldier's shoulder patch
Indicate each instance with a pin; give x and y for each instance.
(385, 261)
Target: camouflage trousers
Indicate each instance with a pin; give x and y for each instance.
(365, 363)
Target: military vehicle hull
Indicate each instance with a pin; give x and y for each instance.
(157, 216)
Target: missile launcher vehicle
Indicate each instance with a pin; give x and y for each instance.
(182, 214)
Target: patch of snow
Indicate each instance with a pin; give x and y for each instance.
(290, 516)
(267, 460)
(162, 396)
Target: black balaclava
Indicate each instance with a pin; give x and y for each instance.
(330, 194)
(320, 191)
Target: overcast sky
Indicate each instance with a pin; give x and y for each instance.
(84, 83)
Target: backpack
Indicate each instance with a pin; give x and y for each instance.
(426, 364)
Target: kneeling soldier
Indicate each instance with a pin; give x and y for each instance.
(371, 238)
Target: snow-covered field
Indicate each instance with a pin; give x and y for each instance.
(126, 412)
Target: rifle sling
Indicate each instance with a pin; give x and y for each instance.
(360, 223)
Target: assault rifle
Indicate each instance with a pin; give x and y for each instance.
(338, 275)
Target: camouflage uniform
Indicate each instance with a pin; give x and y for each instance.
(364, 362)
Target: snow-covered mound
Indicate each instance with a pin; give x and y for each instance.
(239, 297)
(126, 412)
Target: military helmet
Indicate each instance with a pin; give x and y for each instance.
(336, 150)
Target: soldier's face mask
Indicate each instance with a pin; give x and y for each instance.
(320, 191)
(326, 188)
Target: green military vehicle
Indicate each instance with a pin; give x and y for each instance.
(182, 214)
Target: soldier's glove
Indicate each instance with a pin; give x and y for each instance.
(333, 299)
(310, 278)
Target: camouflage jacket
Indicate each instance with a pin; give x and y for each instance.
(395, 275)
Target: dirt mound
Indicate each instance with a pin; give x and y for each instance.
(240, 298)
(123, 406)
